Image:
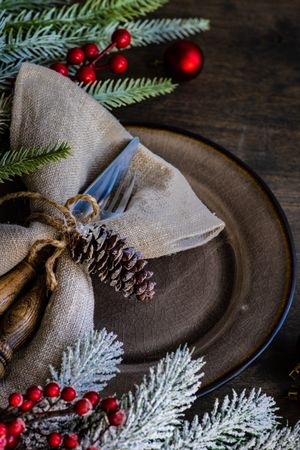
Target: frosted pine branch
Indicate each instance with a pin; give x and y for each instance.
(156, 406)
(90, 363)
(280, 439)
(116, 93)
(15, 5)
(5, 112)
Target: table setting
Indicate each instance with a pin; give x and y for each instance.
(135, 257)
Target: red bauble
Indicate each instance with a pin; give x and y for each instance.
(68, 394)
(16, 427)
(54, 440)
(3, 442)
(93, 397)
(15, 399)
(26, 405)
(34, 393)
(110, 404)
(71, 440)
(118, 64)
(121, 38)
(117, 418)
(52, 390)
(3, 429)
(86, 74)
(83, 406)
(184, 59)
(12, 441)
(90, 51)
(60, 68)
(75, 56)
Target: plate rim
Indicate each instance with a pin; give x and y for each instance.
(223, 379)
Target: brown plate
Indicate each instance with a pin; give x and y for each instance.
(228, 298)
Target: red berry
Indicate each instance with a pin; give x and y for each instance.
(3, 442)
(52, 390)
(16, 427)
(3, 429)
(26, 405)
(71, 440)
(60, 68)
(90, 51)
(83, 406)
(12, 441)
(110, 404)
(54, 440)
(122, 38)
(15, 399)
(118, 64)
(34, 393)
(117, 418)
(68, 394)
(75, 56)
(93, 397)
(86, 74)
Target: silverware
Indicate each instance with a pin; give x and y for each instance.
(113, 178)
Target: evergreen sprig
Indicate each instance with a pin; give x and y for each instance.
(28, 160)
(5, 112)
(15, 5)
(115, 93)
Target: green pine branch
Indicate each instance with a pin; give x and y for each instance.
(14, 5)
(5, 112)
(116, 93)
(28, 160)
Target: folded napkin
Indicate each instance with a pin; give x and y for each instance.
(164, 216)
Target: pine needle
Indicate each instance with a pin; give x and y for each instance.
(28, 160)
(14, 5)
(5, 112)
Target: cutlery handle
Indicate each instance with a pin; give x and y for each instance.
(20, 321)
(12, 283)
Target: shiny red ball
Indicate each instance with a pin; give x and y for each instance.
(118, 64)
(90, 51)
(83, 406)
(110, 404)
(16, 427)
(3, 429)
(75, 56)
(15, 399)
(122, 38)
(26, 405)
(93, 397)
(184, 60)
(86, 74)
(71, 440)
(117, 418)
(52, 390)
(68, 394)
(12, 441)
(60, 68)
(54, 440)
(3, 442)
(34, 393)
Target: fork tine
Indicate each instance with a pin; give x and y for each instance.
(126, 196)
(113, 201)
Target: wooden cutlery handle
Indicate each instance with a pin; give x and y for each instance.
(12, 283)
(20, 321)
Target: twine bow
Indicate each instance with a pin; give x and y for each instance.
(66, 226)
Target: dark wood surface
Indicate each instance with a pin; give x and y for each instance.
(246, 99)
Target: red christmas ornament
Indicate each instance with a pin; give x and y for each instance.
(52, 390)
(93, 397)
(54, 440)
(75, 56)
(34, 393)
(15, 399)
(12, 441)
(121, 38)
(184, 59)
(90, 51)
(117, 418)
(3, 429)
(110, 404)
(118, 64)
(68, 394)
(16, 427)
(86, 74)
(26, 405)
(83, 406)
(3, 442)
(71, 440)
(60, 68)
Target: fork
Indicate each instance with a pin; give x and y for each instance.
(117, 202)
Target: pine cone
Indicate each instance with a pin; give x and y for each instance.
(105, 254)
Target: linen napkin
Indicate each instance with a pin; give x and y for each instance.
(164, 216)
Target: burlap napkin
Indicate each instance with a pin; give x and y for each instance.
(164, 217)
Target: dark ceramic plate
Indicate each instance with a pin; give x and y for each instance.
(228, 298)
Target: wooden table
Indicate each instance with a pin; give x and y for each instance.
(246, 99)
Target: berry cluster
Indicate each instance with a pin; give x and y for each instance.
(87, 57)
(19, 407)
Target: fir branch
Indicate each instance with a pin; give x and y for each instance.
(155, 408)
(90, 363)
(28, 160)
(279, 439)
(230, 425)
(14, 5)
(116, 93)
(5, 112)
